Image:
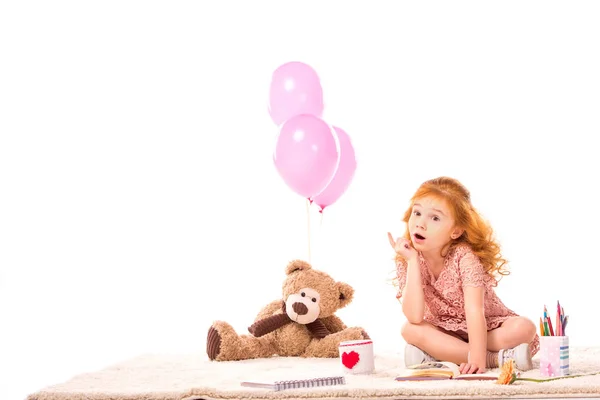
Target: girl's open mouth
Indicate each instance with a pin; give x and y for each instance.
(418, 237)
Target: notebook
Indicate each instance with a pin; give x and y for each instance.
(439, 370)
(298, 384)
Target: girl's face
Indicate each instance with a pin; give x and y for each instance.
(431, 225)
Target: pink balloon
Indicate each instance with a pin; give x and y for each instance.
(343, 175)
(295, 89)
(306, 154)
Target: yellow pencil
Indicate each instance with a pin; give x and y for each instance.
(541, 327)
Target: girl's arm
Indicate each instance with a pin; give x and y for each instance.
(476, 325)
(409, 272)
(413, 303)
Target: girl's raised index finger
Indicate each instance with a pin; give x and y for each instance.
(392, 241)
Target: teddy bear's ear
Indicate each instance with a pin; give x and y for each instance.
(297, 265)
(346, 293)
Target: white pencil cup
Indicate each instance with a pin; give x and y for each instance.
(356, 356)
(554, 355)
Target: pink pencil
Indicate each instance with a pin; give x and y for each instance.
(549, 321)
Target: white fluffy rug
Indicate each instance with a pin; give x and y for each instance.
(178, 377)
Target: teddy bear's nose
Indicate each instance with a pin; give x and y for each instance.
(300, 308)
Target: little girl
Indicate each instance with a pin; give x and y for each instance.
(447, 267)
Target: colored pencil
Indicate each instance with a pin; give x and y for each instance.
(550, 325)
(560, 323)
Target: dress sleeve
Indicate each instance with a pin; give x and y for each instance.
(400, 277)
(471, 270)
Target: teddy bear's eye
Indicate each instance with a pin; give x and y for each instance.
(314, 300)
(303, 294)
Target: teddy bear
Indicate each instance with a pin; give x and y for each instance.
(300, 324)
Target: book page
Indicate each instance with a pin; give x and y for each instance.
(488, 376)
(434, 370)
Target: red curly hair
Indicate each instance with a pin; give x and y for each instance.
(478, 234)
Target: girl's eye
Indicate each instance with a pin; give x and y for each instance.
(435, 218)
(416, 213)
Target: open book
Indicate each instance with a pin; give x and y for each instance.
(439, 370)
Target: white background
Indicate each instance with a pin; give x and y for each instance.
(138, 197)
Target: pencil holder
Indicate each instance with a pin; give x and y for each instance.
(357, 357)
(554, 355)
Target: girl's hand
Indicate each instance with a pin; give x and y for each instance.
(470, 368)
(403, 247)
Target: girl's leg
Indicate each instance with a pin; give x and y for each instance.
(513, 332)
(511, 340)
(435, 342)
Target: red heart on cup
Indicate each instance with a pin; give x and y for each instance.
(350, 359)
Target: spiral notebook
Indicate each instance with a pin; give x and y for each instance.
(298, 384)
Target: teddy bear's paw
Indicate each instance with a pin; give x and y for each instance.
(213, 343)
(355, 333)
(222, 342)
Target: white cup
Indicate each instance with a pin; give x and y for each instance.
(356, 356)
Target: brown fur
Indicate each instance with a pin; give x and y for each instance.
(292, 339)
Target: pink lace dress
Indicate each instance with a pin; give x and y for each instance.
(444, 298)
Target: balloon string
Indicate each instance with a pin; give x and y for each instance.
(308, 227)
